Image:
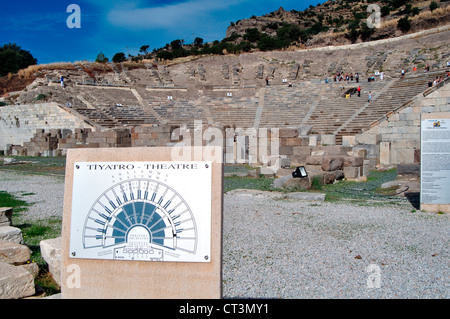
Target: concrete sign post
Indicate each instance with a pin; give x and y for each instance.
(435, 162)
(138, 224)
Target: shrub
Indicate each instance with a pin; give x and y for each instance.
(433, 6)
(267, 43)
(404, 24)
(252, 35)
(41, 97)
(101, 58)
(119, 57)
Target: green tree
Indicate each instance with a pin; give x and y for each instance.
(176, 44)
(164, 55)
(404, 24)
(13, 58)
(385, 11)
(144, 48)
(252, 35)
(267, 43)
(366, 32)
(101, 58)
(119, 57)
(289, 33)
(198, 42)
(398, 3)
(433, 6)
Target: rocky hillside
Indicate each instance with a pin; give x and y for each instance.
(339, 22)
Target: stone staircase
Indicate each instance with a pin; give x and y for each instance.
(180, 112)
(233, 112)
(287, 106)
(400, 92)
(334, 109)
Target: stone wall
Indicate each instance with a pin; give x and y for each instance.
(18, 123)
(396, 138)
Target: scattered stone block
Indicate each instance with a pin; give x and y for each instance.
(353, 161)
(51, 253)
(268, 171)
(339, 174)
(332, 163)
(298, 183)
(351, 172)
(329, 177)
(408, 169)
(361, 152)
(15, 282)
(32, 268)
(281, 181)
(14, 253)
(12, 234)
(5, 216)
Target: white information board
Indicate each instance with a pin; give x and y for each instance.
(435, 161)
(145, 211)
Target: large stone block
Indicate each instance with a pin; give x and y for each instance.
(15, 282)
(368, 138)
(13, 253)
(5, 216)
(351, 172)
(294, 141)
(328, 139)
(353, 161)
(287, 132)
(286, 150)
(348, 140)
(402, 156)
(385, 153)
(51, 253)
(314, 160)
(12, 234)
(298, 183)
(332, 163)
(408, 169)
(302, 150)
(335, 150)
(314, 140)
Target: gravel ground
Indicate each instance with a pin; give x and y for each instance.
(295, 249)
(285, 248)
(45, 192)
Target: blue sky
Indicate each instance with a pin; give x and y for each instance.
(122, 26)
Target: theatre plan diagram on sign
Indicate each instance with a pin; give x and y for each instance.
(143, 211)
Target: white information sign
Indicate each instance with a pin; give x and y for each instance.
(146, 211)
(435, 161)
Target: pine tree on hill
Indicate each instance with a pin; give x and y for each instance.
(13, 58)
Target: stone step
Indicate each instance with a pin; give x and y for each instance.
(11, 234)
(15, 282)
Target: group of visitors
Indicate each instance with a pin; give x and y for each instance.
(437, 80)
(339, 77)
